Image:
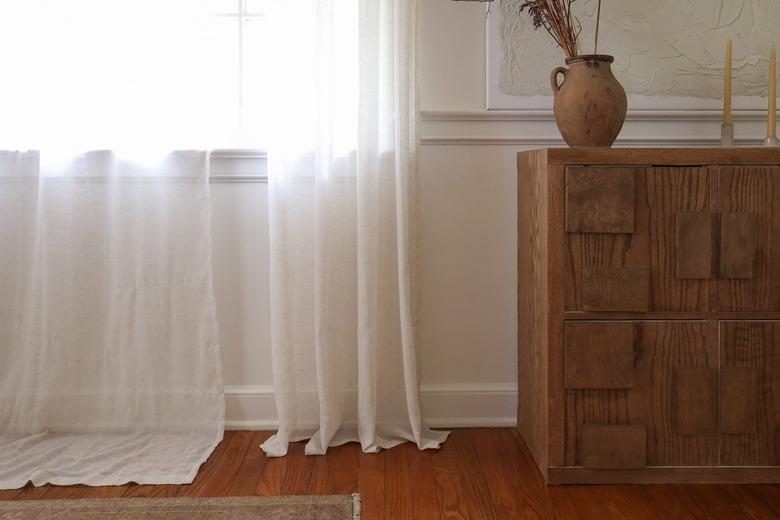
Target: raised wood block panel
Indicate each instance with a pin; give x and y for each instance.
(660, 348)
(696, 401)
(738, 245)
(750, 358)
(614, 446)
(600, 200)
(739, 401)
(599, 355)
(616, 289)
(662, 194)
(649, 314)
(694, 246)
(748, 203)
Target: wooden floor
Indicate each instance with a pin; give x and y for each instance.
(478, 474)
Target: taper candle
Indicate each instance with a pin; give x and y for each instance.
(772, 121)
(727, 85)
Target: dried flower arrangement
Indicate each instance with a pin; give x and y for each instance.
(556, 17)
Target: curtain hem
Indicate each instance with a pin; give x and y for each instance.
(141, 477)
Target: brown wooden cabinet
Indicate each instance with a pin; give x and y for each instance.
(649, 314)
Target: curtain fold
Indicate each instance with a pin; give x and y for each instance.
(109, 357)
(343, 210)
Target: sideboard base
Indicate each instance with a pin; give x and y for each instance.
(665, 475)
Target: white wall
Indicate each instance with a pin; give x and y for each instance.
(468, 324)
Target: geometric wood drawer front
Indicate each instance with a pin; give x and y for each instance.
(599, 355)
(600, 200)
(648, 312)
(613, 446)
(739, 401)
(616, 289)
(694, 246)
(696, 401)
(738, 243)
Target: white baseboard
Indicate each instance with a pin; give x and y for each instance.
(444, 406)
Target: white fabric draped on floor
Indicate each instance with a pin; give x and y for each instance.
(109, 359)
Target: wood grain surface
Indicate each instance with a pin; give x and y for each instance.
(749, 203)
(752, 345)
(478, 474)
(599, 355)
(662, 194)
(659, 348)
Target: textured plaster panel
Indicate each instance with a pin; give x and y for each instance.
(661, 47)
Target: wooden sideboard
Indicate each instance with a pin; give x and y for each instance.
(649, 314)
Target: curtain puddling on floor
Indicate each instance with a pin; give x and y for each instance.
(109, 359)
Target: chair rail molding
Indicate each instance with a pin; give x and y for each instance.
(238, 166)
(536, 127)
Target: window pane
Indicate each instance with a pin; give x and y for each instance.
(256, 6)
(225, 6)
(98, 74)
(256, 88)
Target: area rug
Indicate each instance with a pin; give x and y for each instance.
(338, 507)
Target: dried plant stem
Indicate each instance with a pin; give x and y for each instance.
(557, 19)
(598, 23)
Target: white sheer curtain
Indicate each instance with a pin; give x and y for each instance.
(109, 361)
(343, 209)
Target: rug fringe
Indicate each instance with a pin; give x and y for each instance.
(356, 506)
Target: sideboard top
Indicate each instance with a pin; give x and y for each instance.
(765, 155)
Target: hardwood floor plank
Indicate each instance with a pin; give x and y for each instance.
(210, 469)
(151, 491)
(272, 477)
(716, 501)
(297, 478)
(371, 484)
(251, 468)
(398, 492)
(636, 503)
(449, 488)
(751, 503)
(65, 492)
(768, 495)
(477, 495)
(411, 491)
(424, 497)
(500, 479)
(562, 507)
(347, 469)
(594, 502)
(216, 478)
(9, 494)
(323, 474)
(677, 505)
(106, 492)
(30, 492)
(538, 499)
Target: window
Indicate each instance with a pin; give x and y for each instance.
(122, 73)
(249, 19)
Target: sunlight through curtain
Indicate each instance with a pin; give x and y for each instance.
(343, 165)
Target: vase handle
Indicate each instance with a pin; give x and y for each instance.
(554, 78)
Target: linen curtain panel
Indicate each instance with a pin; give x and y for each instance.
(343, 207)
(109, 362)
